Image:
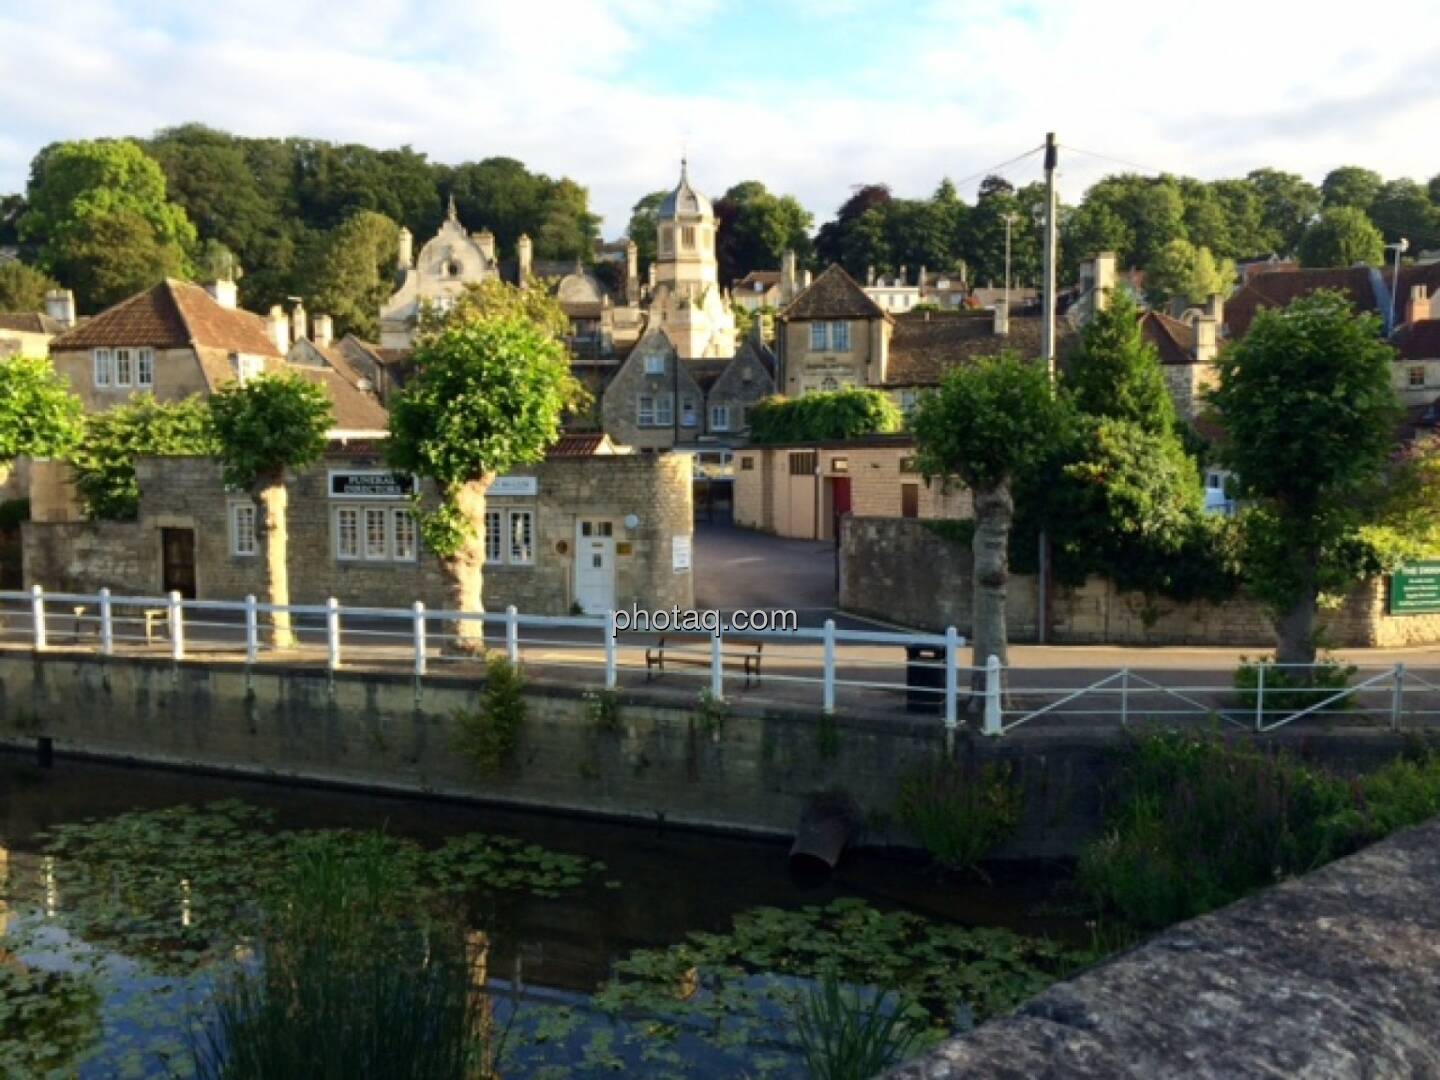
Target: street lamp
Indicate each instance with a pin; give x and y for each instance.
(1009, 220)
(1402, 245)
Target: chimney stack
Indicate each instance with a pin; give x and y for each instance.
(224, 292)
(1215, 308)
(900, 278)
(60, 306)
(1104, 279)
(921, 280)
(405, 251)
(1207, 339)
(525, 250)
(299, 322)
(1417, 308)
(788, 283)
(804, 280)
(486, 239)
(279, 326)
(323, 331)
(632, 272)
(1002, 318)
(652, 277)
(870, 275)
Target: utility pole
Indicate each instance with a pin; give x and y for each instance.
(1047, 349)
(1009, 220)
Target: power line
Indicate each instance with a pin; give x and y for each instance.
(993, 169)
(1114, 160)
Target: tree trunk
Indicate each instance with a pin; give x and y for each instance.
(465, 570)
(1296, 625)
(273, 500)
(994, 511)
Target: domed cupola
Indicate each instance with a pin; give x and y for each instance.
(685, 202)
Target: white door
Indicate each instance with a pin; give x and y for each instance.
(595, 565)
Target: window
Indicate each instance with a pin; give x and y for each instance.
(664, 241)
(102, 367)
(242, 529)
(687, 237)
(347, 532)
(246, 367)
(1417, 375)
(654, 365)
(802, 463)
(493, 536)
(375, 545)
(908, 399)
(522, 549)
(840, 336)
(719, 417)
(819, 336)
(688, 417)
(124, 368)
(747, 464)
(403, 524)
(597, 528)
(840, 464)
(655, 410)
(145, 367)
(1213, 481)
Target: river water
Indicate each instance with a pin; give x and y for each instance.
(658, 885)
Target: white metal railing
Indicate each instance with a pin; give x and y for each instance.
(827, 659)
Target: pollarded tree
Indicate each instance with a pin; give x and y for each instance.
(39, 416)
(264, 428)
(1309, 418)
(987, 423)
(487, 395)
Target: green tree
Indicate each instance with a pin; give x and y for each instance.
(644, 221)
(1402, 209)
(986, 424)
(834, 242)
(1342, 236)
(487, 395)
(1350, 185)
(1308, 411)
(1182, 271)
(23, 288)
(1287, 204)
(1244, 219)
(264, 428)
(839, 414)
(508, 199)
(494, 299)
(351, 272)
(1116, 373)
(99, 213)
(39, 416)
(103, 463)
(755, 228)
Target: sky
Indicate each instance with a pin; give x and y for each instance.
(811, 97)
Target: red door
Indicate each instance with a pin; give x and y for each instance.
(840, 495)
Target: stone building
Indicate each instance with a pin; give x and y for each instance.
(802, 490)
(1187, 348)
(585, 528)
(832, 335)
(29, 333)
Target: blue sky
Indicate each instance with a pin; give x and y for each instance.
(809, 96)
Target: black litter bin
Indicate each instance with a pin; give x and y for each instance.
(924, 678)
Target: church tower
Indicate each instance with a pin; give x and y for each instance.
(686, 302)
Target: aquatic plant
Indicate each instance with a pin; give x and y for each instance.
(960, 811)
(847, 1035)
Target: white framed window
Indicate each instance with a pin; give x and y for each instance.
(655, 410)
(145, 368)
(494, 538)
(840, 336)
(908, 398)
(242, 529)
(654, 365)
(522, 537)
(103, 367)
(246, 366)
(1416, 375)
(347, 532)
(124, 368)
(376, 545)
(819, 336)
(645, 410)
(719, 417)
(402, 527)
(688, 416)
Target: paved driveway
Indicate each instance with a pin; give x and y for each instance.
(738, 568)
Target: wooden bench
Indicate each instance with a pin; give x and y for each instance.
(153, 615)
(694, 651)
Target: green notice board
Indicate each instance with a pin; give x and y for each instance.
(1415, 589)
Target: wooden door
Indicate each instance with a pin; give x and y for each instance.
(910, 500)
(177, 561)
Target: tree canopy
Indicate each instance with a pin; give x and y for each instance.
(819, 417)
(23, 288)
(39, 416)
(267, 425)
(350, 272)
(103, 464)
(1181, 271)
(1341, 236)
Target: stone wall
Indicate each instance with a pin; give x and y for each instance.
(187, 493)
(1329, 975)
(903, 571)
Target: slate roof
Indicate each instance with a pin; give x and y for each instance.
(1418, 341)
(766, 279)
(833, 295)
(172, 315)
(1173, 340)
(923, 349)
(1279, 288)
(29, 322)
(706, 370)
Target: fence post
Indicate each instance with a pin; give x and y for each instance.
(827, 696)
(37, 615)
(1124, 696)
(992, 697)
(717, 667)
(332, 633)
(610, 662)
(177, 627)
(952, 679)
(252, 629)
(107, 627)
(1397, 698)
(418, 624)
(512, 634)
(1260, 696)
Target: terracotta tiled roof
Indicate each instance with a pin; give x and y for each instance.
(1278, 289)
(172, 315)
(581, 444)
(355, 409)
(1427, 274)
(764, 278)
(833, 295)
(29, 322)
(1173, 340)
(923, 349)
(1419, 341)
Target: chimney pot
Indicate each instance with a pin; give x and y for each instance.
(323, 331)
(224, 293)
(60, 306)
(279, 326)
(299, 322)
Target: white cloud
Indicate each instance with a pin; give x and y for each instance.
(1209, 90)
